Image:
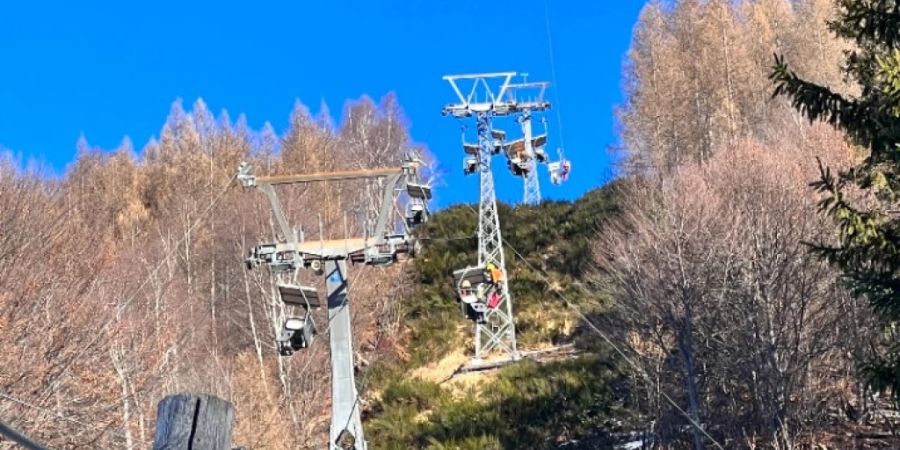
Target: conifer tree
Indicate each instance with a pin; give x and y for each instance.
(868, 246)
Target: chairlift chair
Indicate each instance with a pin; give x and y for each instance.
(518, 167)
(278, 261)
(416, 214)
(559, 170)
(416, 210)
(470, 165)
(297, 332)
(471, 286)
(515, 149)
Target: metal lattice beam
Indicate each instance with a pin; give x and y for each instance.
(497, 332)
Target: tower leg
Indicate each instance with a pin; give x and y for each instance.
(344, 397)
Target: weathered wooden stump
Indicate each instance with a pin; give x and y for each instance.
(193, 422)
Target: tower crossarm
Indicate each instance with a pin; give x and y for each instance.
(331, 176)
(482, 96)
(397, 178)
(528, 96)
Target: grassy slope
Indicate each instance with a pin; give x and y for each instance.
(525, 405)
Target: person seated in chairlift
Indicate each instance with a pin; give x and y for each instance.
(495, 275)
(493, 300)
(566, 168)
(466, 293)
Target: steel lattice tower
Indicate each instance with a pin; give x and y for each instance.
(498, 330)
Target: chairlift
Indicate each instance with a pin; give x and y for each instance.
(474, 289)
(516, 159)
(470, 165)
(559, 170)
(416, 214)
(278, 261)
(297, 332)
(518, 167)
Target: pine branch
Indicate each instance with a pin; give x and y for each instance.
(869, 21)
(816, 102)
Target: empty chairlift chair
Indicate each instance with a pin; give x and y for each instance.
(415, 214)
(499, 138)
(297, 332)
(416, 211)
(470, 165)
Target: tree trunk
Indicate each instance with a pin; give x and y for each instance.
(686, 345)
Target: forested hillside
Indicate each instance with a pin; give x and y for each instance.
(124, 280)
(418, 403)
(691, 306)
(710, 266)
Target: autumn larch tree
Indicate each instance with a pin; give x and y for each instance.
(868, 250)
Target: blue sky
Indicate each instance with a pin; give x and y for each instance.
(111, 69)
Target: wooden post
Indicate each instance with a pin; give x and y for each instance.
(193, 422)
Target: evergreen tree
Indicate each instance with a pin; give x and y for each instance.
(868, 248)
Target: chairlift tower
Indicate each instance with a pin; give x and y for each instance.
(486, 96)
(532, 195)
(329, 259)
(524, 155)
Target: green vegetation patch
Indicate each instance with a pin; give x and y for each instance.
(554, 238)
(526, 406)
